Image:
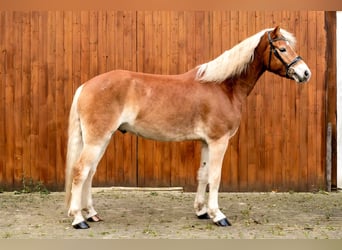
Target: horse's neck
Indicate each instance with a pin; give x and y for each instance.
(244, 84)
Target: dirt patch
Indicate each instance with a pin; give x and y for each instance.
(170, 214)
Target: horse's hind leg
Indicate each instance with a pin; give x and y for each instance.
(199, 205)
(82, 175)
(87, 201)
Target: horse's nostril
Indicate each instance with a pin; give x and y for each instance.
(306, 73)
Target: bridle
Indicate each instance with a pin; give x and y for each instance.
(276, 53)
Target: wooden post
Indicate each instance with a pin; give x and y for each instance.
(339, 96)
(328, 157)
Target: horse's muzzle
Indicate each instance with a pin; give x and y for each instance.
(300, 73)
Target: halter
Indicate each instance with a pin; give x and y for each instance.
(276, 53)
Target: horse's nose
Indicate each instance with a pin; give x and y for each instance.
(306, 73)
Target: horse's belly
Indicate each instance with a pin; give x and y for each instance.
(160, 133)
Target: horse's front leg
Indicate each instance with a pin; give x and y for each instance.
(202, 177)
(216, 151)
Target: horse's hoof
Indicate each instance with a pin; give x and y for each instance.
(203, 216)
(223, 223)
(94, 218)
(81, 225)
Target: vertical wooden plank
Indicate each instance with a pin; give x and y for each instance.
(68, 69)
(3, 50)
(303, 106)
(140, 40)
(76, 50)
(165, 41)
(61, 98)
(175, 42)
(18, 142)
(102, 36)
(311, 104)
(26, 95)
(130, 40)
(323, 85)
(93, 43)
(85, 46)
(9, 98)
(34, 170)
(156, 36)
(51, 98)
(182, 43)
(330, 45)
(43, 96)
(217, 23)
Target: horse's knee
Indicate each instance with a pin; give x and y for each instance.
(81, 173)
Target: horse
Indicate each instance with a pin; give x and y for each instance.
(202, 104)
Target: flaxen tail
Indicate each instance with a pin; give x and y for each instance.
(75, 145)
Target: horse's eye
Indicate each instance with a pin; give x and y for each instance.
(282, 49)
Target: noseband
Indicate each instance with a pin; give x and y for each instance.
(276, 53)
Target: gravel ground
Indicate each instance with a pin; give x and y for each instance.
(170, 214)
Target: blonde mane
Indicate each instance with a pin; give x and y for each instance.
(234, 61)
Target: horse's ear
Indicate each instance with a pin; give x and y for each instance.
(276, 32)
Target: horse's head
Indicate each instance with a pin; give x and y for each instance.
(281, 58)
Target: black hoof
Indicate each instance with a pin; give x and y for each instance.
(94, 218)
(81, 225)
(203, 216)
(223, 223)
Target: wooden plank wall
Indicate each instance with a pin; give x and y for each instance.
(46, 55)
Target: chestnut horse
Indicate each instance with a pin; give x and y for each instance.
(202, 104)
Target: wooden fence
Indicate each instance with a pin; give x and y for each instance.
(45, 55)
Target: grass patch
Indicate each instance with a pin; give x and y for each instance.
(149, 231)
(31, 186)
